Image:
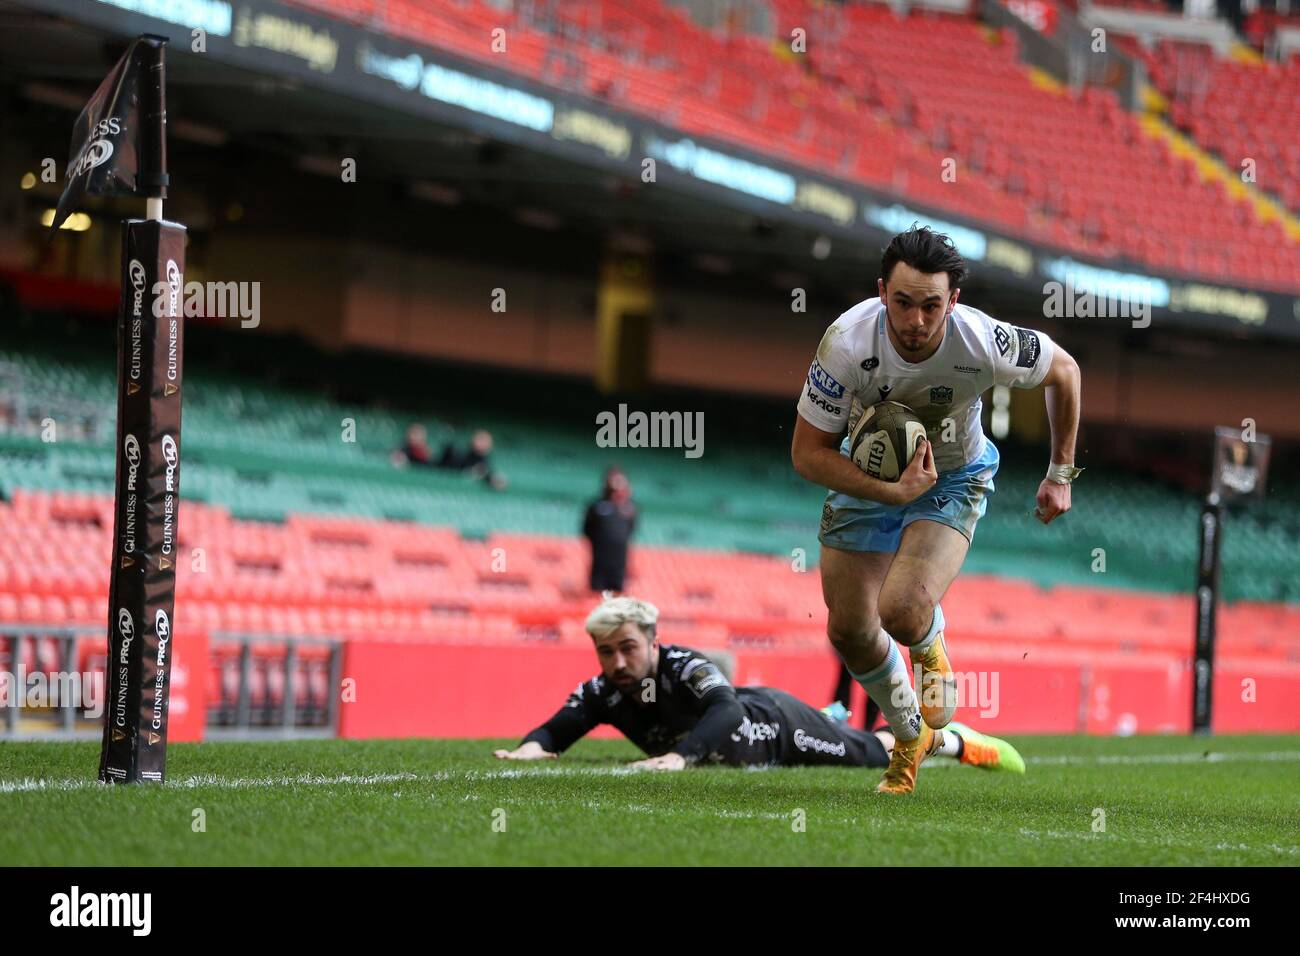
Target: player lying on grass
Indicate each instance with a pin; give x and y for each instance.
(678, 707)
(891, 549)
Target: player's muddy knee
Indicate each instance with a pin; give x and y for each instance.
(845, 641)
(906, 619)
(857, 646)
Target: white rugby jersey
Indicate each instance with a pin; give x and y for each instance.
(857, 366)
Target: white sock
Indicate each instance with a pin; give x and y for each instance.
(951, 743)
(917, 650)
(889, 687)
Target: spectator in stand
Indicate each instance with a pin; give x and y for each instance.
(472, 460)
(415, 449)
(608, 525)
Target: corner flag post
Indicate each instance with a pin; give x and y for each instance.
(119, 147)
(1240, 473)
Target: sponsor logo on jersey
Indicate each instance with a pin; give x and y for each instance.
(753, 731)
(701, 676)
(705, 680)
(806, 741)
(941, 501)
(1001, 339)
(823, 404)
(968, 369)
(824, 381)
(941, 395)
(869, 363)
(1029, 347)
(828, 515)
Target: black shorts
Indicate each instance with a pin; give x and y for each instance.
(779, 729)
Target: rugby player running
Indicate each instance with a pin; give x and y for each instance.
(891, 549)
(680, 709)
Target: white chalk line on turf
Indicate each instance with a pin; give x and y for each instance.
(1091, 837)
(31, 784)
(1106, 759)
(1062, 760)
(221, 783)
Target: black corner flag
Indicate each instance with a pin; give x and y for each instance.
(118, 148)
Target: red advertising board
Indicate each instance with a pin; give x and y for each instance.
(464, 690)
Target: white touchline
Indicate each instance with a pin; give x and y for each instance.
(220, 783)
(1263, 755)
(1048, 760)
(30, 784)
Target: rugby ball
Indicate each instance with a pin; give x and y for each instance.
(884, 440)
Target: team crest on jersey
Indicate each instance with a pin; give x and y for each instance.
(825, 381)
(941, 395)
(869, 363)
(1002, 340)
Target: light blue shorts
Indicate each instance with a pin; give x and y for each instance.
(958, 499)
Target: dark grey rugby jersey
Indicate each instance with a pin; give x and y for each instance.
(692, 709)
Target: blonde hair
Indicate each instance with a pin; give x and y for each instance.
(613, 612)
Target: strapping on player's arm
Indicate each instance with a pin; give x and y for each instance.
(1062, 394)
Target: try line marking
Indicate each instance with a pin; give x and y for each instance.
(221, 783)
(34, 784)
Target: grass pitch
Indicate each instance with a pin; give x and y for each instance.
(1166, 801)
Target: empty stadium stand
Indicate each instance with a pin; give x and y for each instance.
(1075, 171)
(357, 577)
(303, 556)
(303, 587)
(1239, 108)
(267, 452)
